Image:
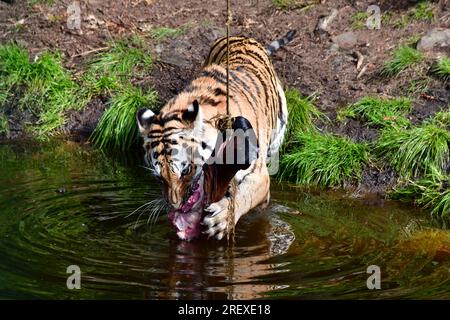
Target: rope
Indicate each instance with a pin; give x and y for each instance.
(228, 55)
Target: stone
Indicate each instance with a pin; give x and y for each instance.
(346, 40)
(437, 38)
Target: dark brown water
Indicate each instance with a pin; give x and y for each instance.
(62, 204)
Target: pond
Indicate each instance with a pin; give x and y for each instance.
(64, 204)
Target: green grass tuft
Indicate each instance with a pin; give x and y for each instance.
(416, 151)
(14, 65)
(125, 57)
(432, 193)
(34, 2)
(379, 112)
(402, 58)
(292, 4)
(4, 125)
(358, 20)
(442, 69)
(302, 113)
(117, 129)
(323, 160)
(48, 89)
(418, 86)
(423, 11)
(162, 33)
(441, 118)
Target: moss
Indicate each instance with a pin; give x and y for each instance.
(323, 160)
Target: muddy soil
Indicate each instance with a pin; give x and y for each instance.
(315, 62)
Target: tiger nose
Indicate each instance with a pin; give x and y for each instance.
(175, 199)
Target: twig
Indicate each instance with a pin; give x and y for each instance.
(360, 60)
(88, 52)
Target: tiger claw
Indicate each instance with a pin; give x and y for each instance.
(220, 236)
(217, 221)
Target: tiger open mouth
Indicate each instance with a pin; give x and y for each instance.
(186, 219)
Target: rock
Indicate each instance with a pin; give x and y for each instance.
(324, 22)
(346, 40)
(437, 38)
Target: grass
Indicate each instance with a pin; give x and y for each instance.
(4, 125)
(423, 11)
(302, 113)
(109, 74)
(323, 160)
(34, 2)
(162, 33)
(124, 58)
(358, 20)
(117, 129)
(442, 69)
(14, 64)
(403, 58)
(292, 4)
(416, 151)
(431, 192)
(48, 89)
(441, 118)
(379, 112)
(402, 22)
(418, 86)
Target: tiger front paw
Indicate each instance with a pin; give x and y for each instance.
(216, 222)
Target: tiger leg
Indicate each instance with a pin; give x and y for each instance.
(252, 191)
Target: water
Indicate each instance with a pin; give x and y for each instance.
(63, 204)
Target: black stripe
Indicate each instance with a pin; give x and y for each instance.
(219, 92)
(245, 86)
(208, 100)
(224, 46)
(216, 75)
(153, 144)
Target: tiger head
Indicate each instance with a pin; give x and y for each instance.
(178, 143)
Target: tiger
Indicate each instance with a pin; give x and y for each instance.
(185, 125)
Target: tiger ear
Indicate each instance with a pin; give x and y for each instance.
(144, 119)
(190, 114)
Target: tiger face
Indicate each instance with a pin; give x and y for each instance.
(178, 141)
